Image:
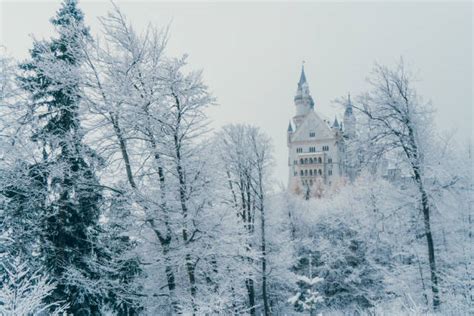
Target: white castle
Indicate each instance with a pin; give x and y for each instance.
(317, 157)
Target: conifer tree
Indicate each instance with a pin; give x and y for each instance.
(71, 212)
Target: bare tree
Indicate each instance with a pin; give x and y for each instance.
(124, 81)
(246, 155)
(399, 122)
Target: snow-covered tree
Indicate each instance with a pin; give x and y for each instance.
(23, 291)
(71, 190)
(399, 122)
(308, 298)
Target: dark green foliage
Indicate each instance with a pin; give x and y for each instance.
(22, 197)
(339, 256)
(72, 206)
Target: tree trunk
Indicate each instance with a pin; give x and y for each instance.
(429, 239)
(123, 149)
(266, 307)
(164, 241)
(184, 210)
(251, 293)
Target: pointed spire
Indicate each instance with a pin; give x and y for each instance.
(302, 76)
(336, 123)
(290, 128)
(302, 93)
(348, 110)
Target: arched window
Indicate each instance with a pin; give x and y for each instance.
(320, 160)
(310, 160)
(315, 172)
(301, 173)
(306, 172)
(319, 171)
(306, 160)
(310, 182)
(301, 161)
(310, 172)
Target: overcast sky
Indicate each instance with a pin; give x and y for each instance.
(251, 53)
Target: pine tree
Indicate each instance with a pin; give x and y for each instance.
(72, 208)
(22, 291)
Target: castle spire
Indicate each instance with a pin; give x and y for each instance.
(348, 110)
(302, 76)
(303, 99)
(349, 119)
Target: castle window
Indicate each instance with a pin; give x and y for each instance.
(330, 172)
(306, 172)
(301, 173)
(310, 172)
(329, 160)
(310, 182)
(320, 160)
(299, 150)
(319, 171)
(301, 161)
(325, 148)
(314, 172)
(312, 149)
(306, 160)
(312, 134)
(310, 160)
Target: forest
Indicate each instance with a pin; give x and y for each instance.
(118, 198)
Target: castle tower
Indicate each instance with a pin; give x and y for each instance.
(350, 135)
(303, 101)
(349, 119)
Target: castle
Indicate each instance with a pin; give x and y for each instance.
(317, 156)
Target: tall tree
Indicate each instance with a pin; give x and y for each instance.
(399, 123)
(246, 155)
(71, 210)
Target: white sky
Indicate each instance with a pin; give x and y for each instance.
(251, 53)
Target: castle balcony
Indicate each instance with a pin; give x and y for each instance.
(318, 158)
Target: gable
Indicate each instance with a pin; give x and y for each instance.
(312, 123)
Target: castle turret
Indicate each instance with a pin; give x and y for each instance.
(289, 133)
(303, 101)
(349, 119)
(335, 124)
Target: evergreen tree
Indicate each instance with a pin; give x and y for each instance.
(72, 207)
